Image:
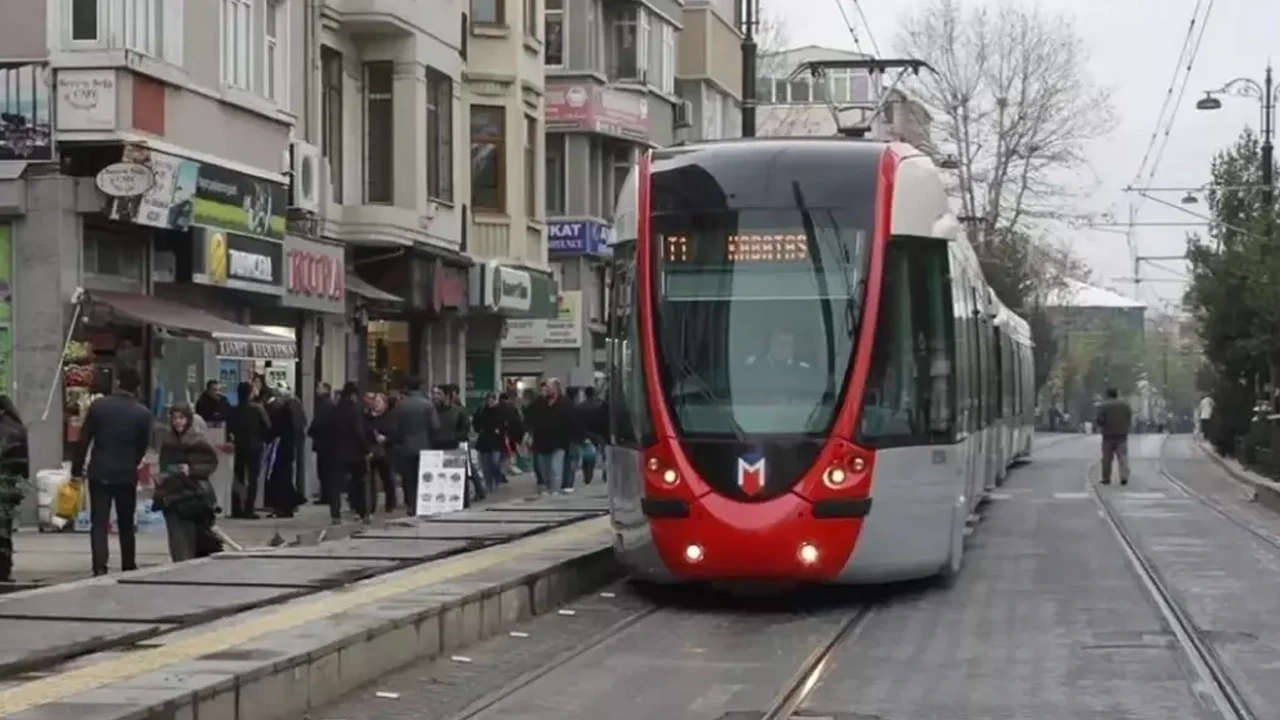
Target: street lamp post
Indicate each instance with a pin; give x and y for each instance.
(1265, 92)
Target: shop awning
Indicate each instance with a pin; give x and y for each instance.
(366, 290)
(234, 340)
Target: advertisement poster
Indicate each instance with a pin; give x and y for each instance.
(563, 332)
(442, 481)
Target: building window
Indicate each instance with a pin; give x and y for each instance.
(667, 61)
(275, 75)
(530, 18)
(621, 159)
(487, 12)
(236, 33)
(439, 136)
(150, 27)
(531, 167)
(379, 156)
(555, 162)
(331, 107)
(553, 33)
(488, 133)
(84, 20)
(630, 47)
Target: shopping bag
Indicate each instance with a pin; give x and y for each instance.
(66, 502)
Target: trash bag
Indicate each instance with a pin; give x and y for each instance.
(66, 502)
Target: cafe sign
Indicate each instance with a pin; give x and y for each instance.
(315, 276)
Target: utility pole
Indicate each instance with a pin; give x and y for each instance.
(749, 17)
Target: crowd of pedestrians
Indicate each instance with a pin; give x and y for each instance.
(367, 445)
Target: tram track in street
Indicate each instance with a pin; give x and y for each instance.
(1210, 681)
(1210, 503)
(788, 702)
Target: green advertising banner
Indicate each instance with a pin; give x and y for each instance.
(482, 378)
(6, 308)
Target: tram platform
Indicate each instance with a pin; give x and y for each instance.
(268, 634)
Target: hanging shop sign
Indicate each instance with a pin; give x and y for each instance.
(315, 276)
(169, 200)
(448, 288)
(125, 179)
(240, 262)
(565, 331)
(233, 201)
(257, 350)
(578, 237)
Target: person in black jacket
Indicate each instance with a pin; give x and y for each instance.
(249, 430)
(117, 429)
(349, 439)
(491, 426)
(14, 471)
(324, 463)
(553, 425)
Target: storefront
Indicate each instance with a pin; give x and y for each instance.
(500, 295)
(542, 348)
(423, 334)
(315, 282)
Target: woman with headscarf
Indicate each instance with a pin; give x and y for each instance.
(184, 492)
(13, 476)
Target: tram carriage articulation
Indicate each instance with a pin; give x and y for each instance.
(810, 380)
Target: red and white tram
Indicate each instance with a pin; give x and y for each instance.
(810, 379)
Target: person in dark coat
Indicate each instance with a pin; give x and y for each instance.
(249, 431)
(184, 492)
(279, 492)
(117, 428)
(349, 439)
(491, 426)
(413, 427)
(454, 430)
(553, 426)
(14, 471)
(324, 463)
(212, 405)
(381, 473)
(595, 426)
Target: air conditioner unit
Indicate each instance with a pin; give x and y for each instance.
(305, 164)
(684, 114)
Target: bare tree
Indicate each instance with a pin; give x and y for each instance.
(773, 63)
(1012, 100)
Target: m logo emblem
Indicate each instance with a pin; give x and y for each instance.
(751, 476)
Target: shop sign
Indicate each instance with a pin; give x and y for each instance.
(26, 132)
(253, 350)
(125, 179)
(169, 201)
(448, 288)
(242, 262)
(577, 107)
(231, 200)
(565, 331)
(509, 289)
(315, 276)
(86, 99)
(578, 237)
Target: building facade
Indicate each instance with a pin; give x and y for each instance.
(147, 192)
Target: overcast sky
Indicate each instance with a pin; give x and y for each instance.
(1134, 45)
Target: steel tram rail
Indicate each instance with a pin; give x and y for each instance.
(792, 696)
(1212, 504)
(1212, 684)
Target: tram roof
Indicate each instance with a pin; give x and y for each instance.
(863, 147)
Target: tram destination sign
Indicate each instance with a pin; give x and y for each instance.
(741, 248)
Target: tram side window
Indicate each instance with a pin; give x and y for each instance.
(958, 291)
(628, 413)
(909, 398)
(997, 347)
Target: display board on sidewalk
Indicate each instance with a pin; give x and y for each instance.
(442, 481)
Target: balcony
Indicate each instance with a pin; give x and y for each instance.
(379, 17)
(496, 238)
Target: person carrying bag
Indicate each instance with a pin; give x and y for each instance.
(184, 492)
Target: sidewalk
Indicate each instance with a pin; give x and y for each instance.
(49, 558)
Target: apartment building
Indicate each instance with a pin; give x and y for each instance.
(610, 92)
(149, 194)
(507, 229)
(709, 70)
(803, 105)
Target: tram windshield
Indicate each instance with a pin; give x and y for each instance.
(758, 315)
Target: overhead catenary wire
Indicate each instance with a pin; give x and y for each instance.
(1182, 91)
(875, 46)
(853, 33)
(1169, 92)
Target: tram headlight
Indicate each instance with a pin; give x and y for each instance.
(670, 477)
(693, 553)
(834, 478)
(808, 554)
(653, 464)
(859, 465)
